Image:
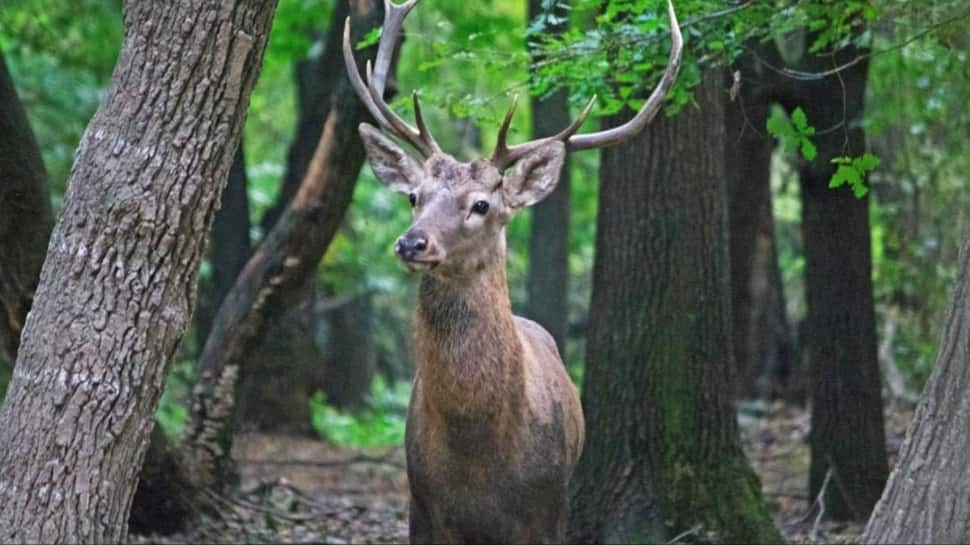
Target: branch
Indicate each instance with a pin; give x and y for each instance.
(807, 76)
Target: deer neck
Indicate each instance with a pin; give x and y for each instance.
(469, 355)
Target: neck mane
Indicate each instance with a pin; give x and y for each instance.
(469, 356)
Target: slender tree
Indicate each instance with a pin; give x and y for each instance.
(926, 499)
(662, 448)
(118, 286)
(548, 280)
(279, 269)
(847, 437)
(25, 216)
(748, 166)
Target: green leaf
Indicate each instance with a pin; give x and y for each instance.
(800, 120)
(867, 163)
(809, 151)
(845, 174)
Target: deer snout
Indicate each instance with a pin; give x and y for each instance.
(412, 246)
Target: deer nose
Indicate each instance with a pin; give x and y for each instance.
(412, 245)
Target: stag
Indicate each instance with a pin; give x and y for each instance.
(495, 426)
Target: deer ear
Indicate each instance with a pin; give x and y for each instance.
(533, 177)
(393, 166)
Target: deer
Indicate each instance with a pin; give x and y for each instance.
(495, 426)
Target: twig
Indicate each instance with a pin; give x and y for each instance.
(820, 501)
(800, 75)
(682, 535)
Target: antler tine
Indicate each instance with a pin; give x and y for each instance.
(505, 156)
(650, 108)
(501, 145)
(423, 131)
(420, 139)
(372, 93)
(355, 80)
(394, 16)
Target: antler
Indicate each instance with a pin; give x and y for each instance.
(372, 94)
(505, 156)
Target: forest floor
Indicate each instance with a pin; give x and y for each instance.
(300, 490)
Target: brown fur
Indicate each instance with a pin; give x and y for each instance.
(495, 426)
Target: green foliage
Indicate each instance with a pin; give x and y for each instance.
(380, 424)
(4, 381)
(173, 409)
(853, 171)
(794, 133)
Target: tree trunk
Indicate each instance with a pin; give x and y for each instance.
(267, 399)
(25, 218)
(229, 246)
(847, 422)
(662, 447)
(279, 269)
(316, 80)
(748, 158)
(352, 360)
(117, 289)
(548, 280)
(926, 498)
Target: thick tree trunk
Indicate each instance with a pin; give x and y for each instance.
(847, 422)
(229, 246)
(662, 449)
(926, 499)
(25, 217)
(279, 269)
(117, 289)
(548, 280)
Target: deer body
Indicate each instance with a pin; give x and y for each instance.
(495, 427)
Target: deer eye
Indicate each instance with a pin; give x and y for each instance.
(480, 208)
(413, 199)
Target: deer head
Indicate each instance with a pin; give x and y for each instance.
(461, 209)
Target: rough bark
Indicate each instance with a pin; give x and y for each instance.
(279, 269)
(118, 286)
(229, 246)
(662, 449)
(25, 217)
(926, 498)
(847, 435)
(548, 280)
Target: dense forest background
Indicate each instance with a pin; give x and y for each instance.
(867, 96)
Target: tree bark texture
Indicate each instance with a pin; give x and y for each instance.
(229, 246)
(847, 435)
(25, 216)
(926, 498)
(548, 279)
(118, 286)
(280, 268)
(662, 447)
